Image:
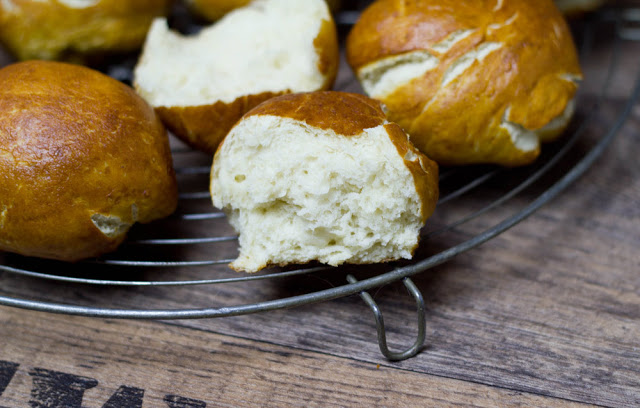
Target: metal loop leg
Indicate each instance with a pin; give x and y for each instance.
(382, 336)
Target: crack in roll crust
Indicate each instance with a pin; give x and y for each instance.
(268, 48)
(76, 30)
(498, 77)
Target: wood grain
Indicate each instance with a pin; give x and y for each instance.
(216, 370)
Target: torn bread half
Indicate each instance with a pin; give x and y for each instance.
(577, 7)
(201, 85)
(471, 82)
(82, 158)
(322, 176)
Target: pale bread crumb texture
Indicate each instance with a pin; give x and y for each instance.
(557, 124)
(297, 193)
(110, 225)
(267, 46)
(382, 77)
(459, 66)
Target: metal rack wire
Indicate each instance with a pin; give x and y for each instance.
(170, 247)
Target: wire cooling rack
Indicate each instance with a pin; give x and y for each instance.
(193, 247)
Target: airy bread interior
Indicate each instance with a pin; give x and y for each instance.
(267, 46)
(296, 193)
(575, 6)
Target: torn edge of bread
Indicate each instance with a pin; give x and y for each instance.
(297, 193)
(267, 46)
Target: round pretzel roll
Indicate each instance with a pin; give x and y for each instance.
(202, 85)
(75, 29)
(82, 158)
(322, 176)
(472, 81)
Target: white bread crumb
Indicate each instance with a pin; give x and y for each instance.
(296, 193)
(267, 46)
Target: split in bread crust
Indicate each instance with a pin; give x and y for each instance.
(214, 9)
(573, 7)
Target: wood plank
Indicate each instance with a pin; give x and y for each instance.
(143, 362)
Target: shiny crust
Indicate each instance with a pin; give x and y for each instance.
(75, 143)
(50, 30)
(348, 114)
(204, 127)
(334, 5)
(527, 80)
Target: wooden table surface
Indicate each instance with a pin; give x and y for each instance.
(545, 314)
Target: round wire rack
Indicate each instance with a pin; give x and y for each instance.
(192, 247)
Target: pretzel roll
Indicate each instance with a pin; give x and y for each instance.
(470, 81)
(201, 85)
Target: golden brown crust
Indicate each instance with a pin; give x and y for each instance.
(326, 110)
(527, 79)
(204, 127)
(334, 5)
(423, 169)
(349, 114)
(75, 144)
(326, 45)
(33, 29)
(215, 9)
